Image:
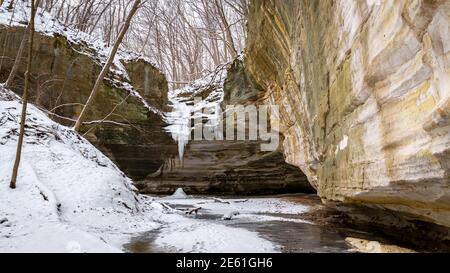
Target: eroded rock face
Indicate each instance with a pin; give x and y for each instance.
(227, 168)
(62, 77)
(364, 90)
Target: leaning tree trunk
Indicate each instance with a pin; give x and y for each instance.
(229, 41)
(105, 69)
(24, 98)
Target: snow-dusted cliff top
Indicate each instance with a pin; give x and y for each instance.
(81, 42)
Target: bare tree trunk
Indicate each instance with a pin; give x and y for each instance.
(108, 64)
(17, 62)
(229, 41)
(15, 68)
(25, 97)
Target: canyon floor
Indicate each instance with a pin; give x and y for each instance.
(296, 223)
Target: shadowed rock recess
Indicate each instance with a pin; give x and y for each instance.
(62, 77)
(363, 87)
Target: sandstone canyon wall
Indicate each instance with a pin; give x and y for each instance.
(364, 90)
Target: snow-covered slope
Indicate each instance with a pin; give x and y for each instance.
(64, 184)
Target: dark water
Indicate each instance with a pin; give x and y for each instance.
(299, 237)
(144, 243)
(292, 237)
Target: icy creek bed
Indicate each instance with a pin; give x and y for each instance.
(274, 219)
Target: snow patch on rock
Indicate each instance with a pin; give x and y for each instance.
(342, 145)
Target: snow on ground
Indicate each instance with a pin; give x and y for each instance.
(241, 210)
(254, 205)
(254, 209)
(67, 191)
(205, 237)
(71, 198)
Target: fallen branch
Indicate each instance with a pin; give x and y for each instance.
(194, 210)
(169, 207)
(218, 200)
(66, 105)
(184, 211)
(240, 201)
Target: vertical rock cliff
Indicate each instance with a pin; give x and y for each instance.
(364, 90)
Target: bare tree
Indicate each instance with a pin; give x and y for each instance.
(107, 66)
(186, 38)
(25, 96)
(229, 41)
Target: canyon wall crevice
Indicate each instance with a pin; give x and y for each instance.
(363, 88)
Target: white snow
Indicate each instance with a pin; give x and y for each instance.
(67, 190)
(71, 198)
(219, 238)
(229, 215)
(196, 236)
(179, 194)
(342, 145)
(243, 206)
(201, 236)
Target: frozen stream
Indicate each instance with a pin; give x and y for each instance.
(276, 220)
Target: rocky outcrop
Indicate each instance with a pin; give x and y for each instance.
(63, 74)
(363, 87)
(226, 167)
